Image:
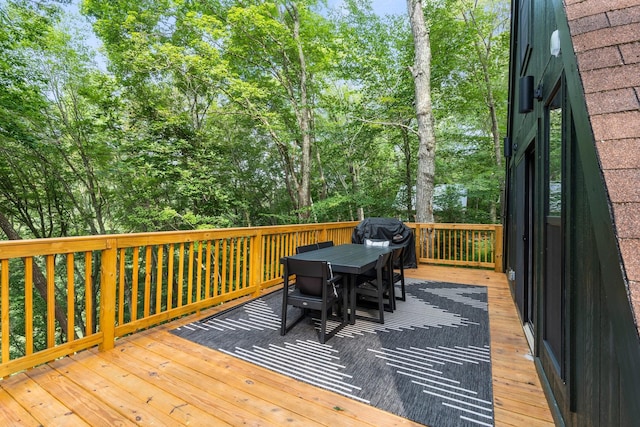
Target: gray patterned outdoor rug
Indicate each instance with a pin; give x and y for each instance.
(429, 362)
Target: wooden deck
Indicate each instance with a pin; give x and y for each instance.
(156, 378)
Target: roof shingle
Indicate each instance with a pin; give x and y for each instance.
(606, 40)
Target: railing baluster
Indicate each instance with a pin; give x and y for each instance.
(223, 276)
(238, 284)
(159, 279)
(147, 281)
(230, 262)
(276, 264)
(51, 301)
(256, 263)
(216, 269)
(28, 305)
(170, 260)
(70, 297)
(180, 275)
(134, 283)
(199, 273)
(190, 273)
(207, 280)
(121, 286)
(4, 309)
(88, 292)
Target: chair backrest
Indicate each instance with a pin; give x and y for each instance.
(326, 244)
(306, 248)
(311, 276)
(383, 260)
(398, 258)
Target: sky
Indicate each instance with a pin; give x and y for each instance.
(390, 7)
(381, 7)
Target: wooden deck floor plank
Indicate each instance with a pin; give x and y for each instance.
(168, 403)
(509, 386)
(205, 391)
(507, 334)
(111, 394)
(232, 372)
(518, 361)
(41, 404)
(509, 418)
(92, 410)
(120, 381)
(524, 395)
(361, 413)
(205, 400)
(533, 411)
(232, 377)
(13, 414)
(513, 375)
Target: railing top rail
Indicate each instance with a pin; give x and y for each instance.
(26, 248)
(30, 247)
(60, 245)
(454, 226)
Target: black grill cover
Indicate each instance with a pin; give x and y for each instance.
(389, 229)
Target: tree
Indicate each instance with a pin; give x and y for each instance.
(27, 189)
(166, 59)
(277, 50)
(370, 103)
(488, 22)
(469, 89)
(421, 71)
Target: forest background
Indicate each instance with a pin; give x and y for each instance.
(189, 116)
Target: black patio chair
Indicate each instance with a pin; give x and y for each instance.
(307, 248)
(315, 288)
(398, 272)
(326, 244)
(377, 289)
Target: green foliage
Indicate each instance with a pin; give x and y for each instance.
(194, 119)
(449, 207)
(195, 122)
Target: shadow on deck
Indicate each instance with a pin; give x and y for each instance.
(156, 378)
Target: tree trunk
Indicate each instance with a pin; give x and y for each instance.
(421, 72)
(304, 121)
(408, 182)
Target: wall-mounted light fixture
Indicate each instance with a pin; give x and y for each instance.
(507, 147)
(554, 44)
(526, 94)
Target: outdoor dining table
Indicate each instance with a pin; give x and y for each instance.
(350, 260)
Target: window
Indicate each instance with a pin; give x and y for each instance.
(554, 205)
(524, 33)
(553, 287)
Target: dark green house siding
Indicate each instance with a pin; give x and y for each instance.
(569, 281)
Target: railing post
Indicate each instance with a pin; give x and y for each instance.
(108, 295)
(323, 234)
(498, 249)
(256, 269)
(417, 239)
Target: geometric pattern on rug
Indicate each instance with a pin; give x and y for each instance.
(429, 362)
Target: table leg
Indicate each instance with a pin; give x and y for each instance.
(352, 298)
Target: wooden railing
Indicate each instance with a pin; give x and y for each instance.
(60, 296)
(465, 245)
